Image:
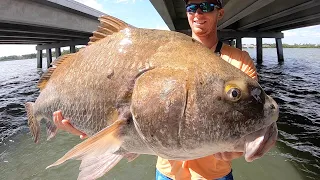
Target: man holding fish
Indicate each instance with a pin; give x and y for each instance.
(203, 17)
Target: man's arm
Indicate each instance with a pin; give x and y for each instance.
(248, 66)
(241, 60)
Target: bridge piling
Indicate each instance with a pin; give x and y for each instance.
(72, 49)
(58, 52)
(279, 49)
(48, 27)
(49, 57)
(228, 37)
(259, 50)
(39, 58)
(239, 43)
(57, 46)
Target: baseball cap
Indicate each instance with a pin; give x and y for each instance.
(217, 2)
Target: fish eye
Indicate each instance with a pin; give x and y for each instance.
(233, 93)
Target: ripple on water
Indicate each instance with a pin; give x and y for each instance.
(15, 109)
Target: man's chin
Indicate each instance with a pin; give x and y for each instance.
(199, 32)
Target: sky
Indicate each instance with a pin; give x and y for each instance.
(141, 13)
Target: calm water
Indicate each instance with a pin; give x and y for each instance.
(294, 85)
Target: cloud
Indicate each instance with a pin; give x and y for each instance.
(289, 33)
(93, 4)
(312, 32)
(304, 35)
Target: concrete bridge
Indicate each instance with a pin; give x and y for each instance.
(248, 18)
(47, 23)
(60, 23)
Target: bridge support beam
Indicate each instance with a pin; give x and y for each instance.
(248, 34)
(226, 36)
(58, 52)
(279, 49)
(49, 57)
(63, 44)
(72, 49)
(57, 46)
(39, 58)
(239, 43)
(259, 50)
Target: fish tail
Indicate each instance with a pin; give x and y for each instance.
(33, 124)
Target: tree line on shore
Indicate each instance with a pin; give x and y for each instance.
(33, 55)
(296, 45)
(287, 45)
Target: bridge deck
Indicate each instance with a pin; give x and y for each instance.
(59, 23)
(45, 21)
(248, 16)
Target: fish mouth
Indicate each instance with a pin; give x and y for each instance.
(260, 142)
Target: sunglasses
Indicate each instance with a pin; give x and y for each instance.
(204, 6)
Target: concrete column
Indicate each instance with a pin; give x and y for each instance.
(72, 49)
(49, 57)
(58, 52)
(259, 50)
(39, 58)
(279, 49)
(239, 43)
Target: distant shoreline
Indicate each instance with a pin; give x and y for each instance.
(251, 46)
(12, 58)
(31, 56)
(15, 59)
(283, 45)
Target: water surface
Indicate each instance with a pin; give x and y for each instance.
(294, 84)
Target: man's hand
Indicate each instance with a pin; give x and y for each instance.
(65, 125)
(228, 156)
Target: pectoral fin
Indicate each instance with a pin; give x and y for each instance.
(95, 167)
(96, 152)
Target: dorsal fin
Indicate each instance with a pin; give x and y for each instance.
(60, 59)
(46, 76)
(108, 25)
